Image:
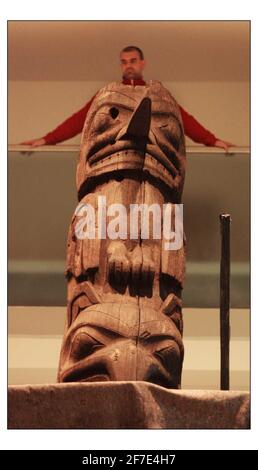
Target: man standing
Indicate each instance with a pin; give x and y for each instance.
(132, 65)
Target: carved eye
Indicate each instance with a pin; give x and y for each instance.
(113, 112)
(83, 345)
(170, 357)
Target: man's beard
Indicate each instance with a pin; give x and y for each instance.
(132, 75)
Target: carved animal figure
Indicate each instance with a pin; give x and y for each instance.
(124, 318)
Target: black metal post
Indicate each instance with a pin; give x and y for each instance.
(224, 300)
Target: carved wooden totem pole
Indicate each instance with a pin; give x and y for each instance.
(124, 319)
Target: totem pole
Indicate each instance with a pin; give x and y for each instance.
(124, 319)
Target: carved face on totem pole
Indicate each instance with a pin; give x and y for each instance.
(133, 128)
(124, 319)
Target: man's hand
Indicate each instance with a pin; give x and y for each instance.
(224, 145)
(34, 142)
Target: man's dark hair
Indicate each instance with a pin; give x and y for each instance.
(134, 48)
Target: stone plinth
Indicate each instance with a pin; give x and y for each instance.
(124, 405)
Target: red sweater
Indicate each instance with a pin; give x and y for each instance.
(74, 124)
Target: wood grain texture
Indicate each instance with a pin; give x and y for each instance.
(124, 319)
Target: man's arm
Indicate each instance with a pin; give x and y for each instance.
(68, 129)
(34, 142)
(198, 133)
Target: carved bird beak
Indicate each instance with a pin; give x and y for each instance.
(139, 124)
